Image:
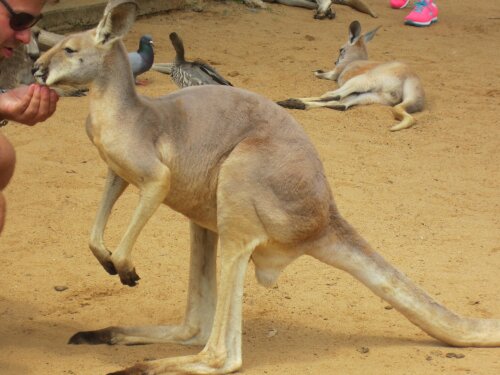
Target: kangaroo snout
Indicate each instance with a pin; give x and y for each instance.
(40, 73)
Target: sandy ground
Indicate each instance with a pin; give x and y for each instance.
(427, 198)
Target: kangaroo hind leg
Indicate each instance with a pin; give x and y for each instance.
(222, 353)
(304, 103)
(356, 99)
(358, 84)
(200, 310)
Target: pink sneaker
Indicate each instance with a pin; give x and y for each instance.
(424, 14)
(399, 4)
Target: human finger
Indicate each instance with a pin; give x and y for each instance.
(31, 113)
(54, 98)
(45, 105)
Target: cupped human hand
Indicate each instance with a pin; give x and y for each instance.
(28, 105)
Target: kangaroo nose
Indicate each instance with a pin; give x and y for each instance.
(39, 73)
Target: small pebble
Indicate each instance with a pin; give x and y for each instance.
(60, 288)
(455, 355)
(363, 349)
(272, 332)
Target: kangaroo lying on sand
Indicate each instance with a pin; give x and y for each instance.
(363, 81)
(323, 7)
(246, 175)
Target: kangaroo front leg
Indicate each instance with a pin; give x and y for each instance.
(331, 75)
(202, 297)
(113, 189)
(153, 193)
(222, 354)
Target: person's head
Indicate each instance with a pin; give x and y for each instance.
(16, 19)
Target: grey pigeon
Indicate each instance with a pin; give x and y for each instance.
(142, 60)
(190, 73)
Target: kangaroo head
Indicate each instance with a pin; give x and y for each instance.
(355, 48)
(78, 58)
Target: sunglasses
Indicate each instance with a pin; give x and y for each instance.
(20, 21)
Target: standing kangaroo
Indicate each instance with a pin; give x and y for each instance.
(246, 175)
(362, 81)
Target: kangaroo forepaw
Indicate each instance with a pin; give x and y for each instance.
(129, 277)
(292, 104)
(103, 255)
(109, 267)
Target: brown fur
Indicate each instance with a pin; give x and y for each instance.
(359, 69)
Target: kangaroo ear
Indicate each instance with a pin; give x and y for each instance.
(354, 32)
(370, 34)
(118, 18)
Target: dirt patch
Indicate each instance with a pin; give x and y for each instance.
(426, 198)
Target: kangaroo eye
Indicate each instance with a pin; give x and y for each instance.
(69, 50)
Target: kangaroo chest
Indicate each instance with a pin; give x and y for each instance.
(356, 68)
(117, 152)
(135, 159)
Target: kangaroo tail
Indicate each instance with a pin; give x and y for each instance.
(413, 101)
(405, 119)
(346, 250)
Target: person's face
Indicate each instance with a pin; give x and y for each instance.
(9, 39)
